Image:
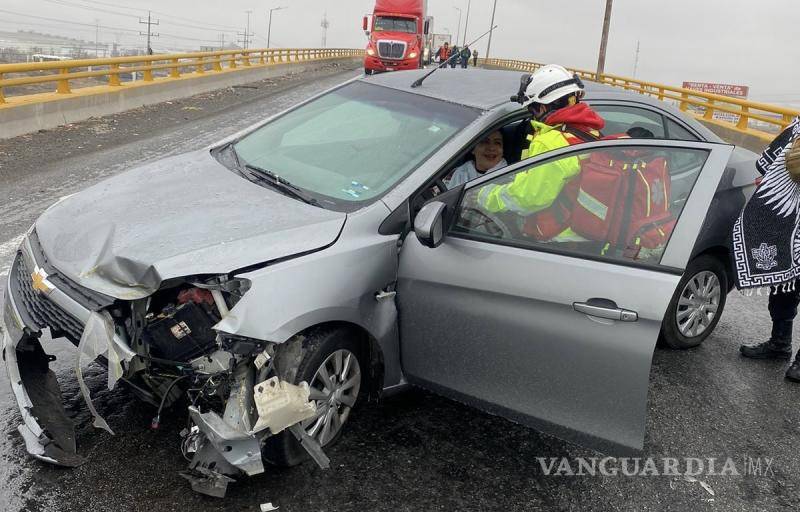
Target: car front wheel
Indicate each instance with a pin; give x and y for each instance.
(697, 305)
(332, 367)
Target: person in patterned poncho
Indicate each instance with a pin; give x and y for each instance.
(766, 245)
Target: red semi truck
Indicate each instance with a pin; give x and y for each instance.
(397, 35)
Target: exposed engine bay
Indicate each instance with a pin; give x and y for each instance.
(165, 349)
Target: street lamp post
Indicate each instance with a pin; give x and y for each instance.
(491, 31)
(269, 28)
(458, 30)
(466, 22)
(601, 60)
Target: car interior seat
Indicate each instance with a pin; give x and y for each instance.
(515, 139)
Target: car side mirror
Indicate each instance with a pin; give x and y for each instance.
(429, 224)
(427, 27)
(365, 24)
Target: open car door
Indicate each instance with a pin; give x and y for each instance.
(555, 335)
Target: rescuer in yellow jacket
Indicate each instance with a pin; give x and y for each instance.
(553, 96)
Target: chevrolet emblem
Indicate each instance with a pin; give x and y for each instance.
(40, 282)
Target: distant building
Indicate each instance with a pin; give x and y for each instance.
(28, 42)
(229, 46)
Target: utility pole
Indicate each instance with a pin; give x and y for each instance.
(149, 33)
(601, 61)
(491, 31)
(269, 28)
(466, 22)
(325, 24)
(246, 36)
(96, 38)
(458, 30)
(636, 62)
(221, 42)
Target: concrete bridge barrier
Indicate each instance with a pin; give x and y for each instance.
(183, 75)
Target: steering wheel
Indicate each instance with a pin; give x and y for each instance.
(486, 222)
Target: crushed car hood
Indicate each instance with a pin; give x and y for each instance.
(182, 216)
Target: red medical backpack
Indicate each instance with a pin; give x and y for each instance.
(621, 197)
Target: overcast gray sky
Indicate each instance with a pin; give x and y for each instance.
(744, 42)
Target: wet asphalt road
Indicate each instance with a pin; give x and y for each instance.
(414, 451)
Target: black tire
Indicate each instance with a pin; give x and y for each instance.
(368, 72)
(283, 449)
(671, 334)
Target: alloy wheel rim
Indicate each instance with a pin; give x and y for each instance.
(334, 389)
(698, 304)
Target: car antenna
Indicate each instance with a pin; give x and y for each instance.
(445, 63)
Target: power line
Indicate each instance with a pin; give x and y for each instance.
(115, 5)
(117, 13)
(191, 38)
(41, 25)
(196, 25)
(91, 8)
(212, 25)
(92, 25)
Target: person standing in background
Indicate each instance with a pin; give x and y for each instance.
(466, 53)
(766, 248)
(475, 58)
(444, 53)
(456, 55)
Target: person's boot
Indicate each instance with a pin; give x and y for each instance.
(793, 373)
(779, 345)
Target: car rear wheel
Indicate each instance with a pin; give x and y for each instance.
(332, 366)
(697, 305)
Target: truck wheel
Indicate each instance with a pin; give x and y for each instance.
(368, 72)
(697, 305)
(334, 368)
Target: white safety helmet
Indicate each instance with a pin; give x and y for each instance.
(551, 83)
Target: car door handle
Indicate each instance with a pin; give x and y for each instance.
(604, 308)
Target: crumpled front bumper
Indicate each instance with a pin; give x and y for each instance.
(47, 430)
(36, 440)
(49, 433)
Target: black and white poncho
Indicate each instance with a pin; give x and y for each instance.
(766, 238)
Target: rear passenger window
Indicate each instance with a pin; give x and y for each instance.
(638, 123)
(678, 132)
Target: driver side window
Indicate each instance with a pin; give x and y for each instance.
(496, 150)
(615, 202)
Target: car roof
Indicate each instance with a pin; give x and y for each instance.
(490, 89)
(486, 89)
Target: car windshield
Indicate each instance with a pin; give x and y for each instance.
(392, 24)
(355, 143)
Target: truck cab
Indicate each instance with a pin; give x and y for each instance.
(396, 36)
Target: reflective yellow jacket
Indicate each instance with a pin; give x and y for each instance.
(534, 190)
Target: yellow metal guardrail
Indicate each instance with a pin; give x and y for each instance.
(175, 66)
(744, 114)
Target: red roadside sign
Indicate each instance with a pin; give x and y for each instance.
(730, 90)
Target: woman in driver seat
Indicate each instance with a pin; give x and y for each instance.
(488, 157)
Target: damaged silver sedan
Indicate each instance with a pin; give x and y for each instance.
(259, 282)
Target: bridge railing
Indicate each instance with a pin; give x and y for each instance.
(118, 70)
(761, 120)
